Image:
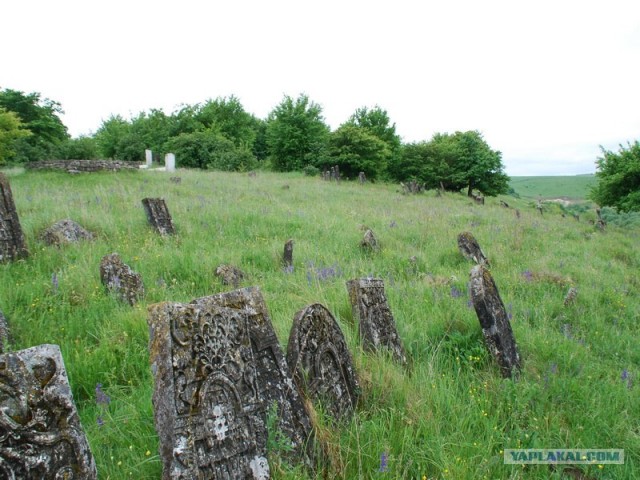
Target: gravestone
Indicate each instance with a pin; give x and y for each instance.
(287, 256)
(148, 156)
(42, 437)
(65, 231)
(496, 328)
(377, 326)
(158, 215)
(170, 162)
(12, 243)
(362, 178)
(369, 241)
(230, 275)
(118, 278)
(571, 296)
(219, 370)
(4, 333)
(176, 180)
(320, 361)
(470, 249)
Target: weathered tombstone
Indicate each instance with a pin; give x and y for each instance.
(571, 296)
(517, 213)
(4, 333)
(369, 241)
(219, 370)
(41, 432)
(496, 328)
(336, 170)
(148, 155)
(230, 275)
(479, 199)
(470, 249)
(176, 180)
(158, 215)
(252, 174)
(333, 173)
(320, 361)
(287, 256)
(362, 178)
(539, 207)
(170, 162)
(65, 231)
(118, 278)
(504, 204)
(601, 224)
(12, 243)
(377, 326)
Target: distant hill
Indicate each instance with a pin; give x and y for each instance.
(574, 187)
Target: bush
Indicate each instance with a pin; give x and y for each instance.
(311, 171)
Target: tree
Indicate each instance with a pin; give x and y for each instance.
(356, 150)
(228, 117)
(296, 134)
(81, 148)
(41, 118)
(618, 177)
(117, 139)
(11, 129)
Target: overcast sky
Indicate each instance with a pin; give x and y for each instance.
(545, 82)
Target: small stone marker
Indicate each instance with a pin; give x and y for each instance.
(377, 326)
(287, 256)
(41, 432)
(12, 243)
(470, 249)
(170, 162)
(4, 333)
(496, 328)
(571, 296)
(118, 278)
(148, 156)
(65, 231)
(362, 178)
(369, 241)
(158, 215)
(230, 275)
(320, 361)
(176, 180)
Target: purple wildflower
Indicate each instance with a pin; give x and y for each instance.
(101, 397)
(626, 376)
(288, 269)
(54, 282)
(383, 462)
(510, 311)
(100, 421)
(553, 368)
(528, 275)
(393, 224)
(455, 293)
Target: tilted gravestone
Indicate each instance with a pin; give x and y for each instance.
(4, 332)
(320, 361)
(287, 256)
(218, 371)
(496, 328)
(118, 278)
(377, 326)
(12, 243)
(41, 432)
(65, 231)
(230, 275)
(470, 249)
(369, 241)
(158, 215)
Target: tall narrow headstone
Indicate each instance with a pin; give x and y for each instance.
(118, 278)
(377, 326)
(12, 243)
(470, 248)
(287, 256)
(148, 156)
(41, 432)
(170, 162)
(496, 328)
(158, 215)
(320, 361)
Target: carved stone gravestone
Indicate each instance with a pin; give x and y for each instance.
(218, 371)
(230, 275)
(470, 249)
(41, 432)
(320, 361)
(496, 328)
(118, 278)
(362, 178)
(4, 332)
(377, 326)
(170, 162)
(369, 241)
(12, 243)
(287, 256)
(65, 231)
(158, 215)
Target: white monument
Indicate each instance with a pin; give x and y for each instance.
(170, 162)
(148, 154)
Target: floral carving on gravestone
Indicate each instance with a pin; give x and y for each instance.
(41, 435)
(320, 361)
(12, 243)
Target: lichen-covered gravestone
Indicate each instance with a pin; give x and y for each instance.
(65, 231)
(158, 215)
(230, 275)
(369, 241)
(287, 256)
(470, 248)
(42, 437)
(320, 361)
(218, 371)
(377, 326)
(496, 328)
(12, 243)
(4, 332)
(118, 278)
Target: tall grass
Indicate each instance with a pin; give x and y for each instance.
(451, 416)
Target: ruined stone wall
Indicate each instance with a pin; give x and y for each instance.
(78, 166)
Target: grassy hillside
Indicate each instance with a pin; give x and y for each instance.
(575, 187)
(450, 417)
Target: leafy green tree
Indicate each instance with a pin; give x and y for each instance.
(618, 177)
(482, 165)
(356, 150)
(81, 148)
(41, 117)
(11, 130)
(153, 129)
(297, 135)
(118, 140)
(228, 117)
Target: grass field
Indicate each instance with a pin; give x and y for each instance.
(450, 417)
(575, 187)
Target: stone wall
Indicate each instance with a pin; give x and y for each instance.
(78, 166)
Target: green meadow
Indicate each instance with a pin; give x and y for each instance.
(571, 187)
(450, 416)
